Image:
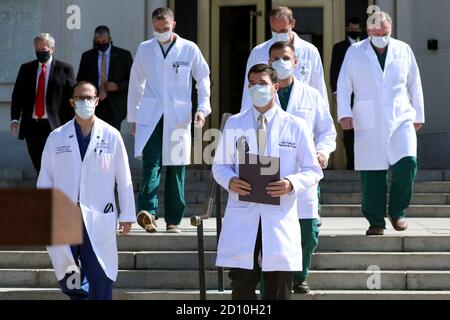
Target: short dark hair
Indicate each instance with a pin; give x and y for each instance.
(82, 83)
(282, 11)
(260, 68)
(281, 45)
(101, 30)
(353, 20)
(162, 13)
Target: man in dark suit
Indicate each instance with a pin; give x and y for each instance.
(108, 67)
(40, 99)
(353, 29)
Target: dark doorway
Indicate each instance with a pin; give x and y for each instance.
(237, 36)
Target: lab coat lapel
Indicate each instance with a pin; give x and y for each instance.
(157, 50)
(275, 134)
(293, 98)
(250, 131)
(389, 56)
(96, 136)
(374, 60)
(72, 139)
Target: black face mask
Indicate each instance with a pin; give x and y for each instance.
(43, 56)
(354, 34)
(101, 46)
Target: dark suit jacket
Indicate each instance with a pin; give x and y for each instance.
(339, 51)
(119, 72)
(59, 91)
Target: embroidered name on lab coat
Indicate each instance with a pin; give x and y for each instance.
(63, 149)
(102, 147)
(303, 108)
(288, 144)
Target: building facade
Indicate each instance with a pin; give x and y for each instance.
(225, 31)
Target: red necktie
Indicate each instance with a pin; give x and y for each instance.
(40, 95)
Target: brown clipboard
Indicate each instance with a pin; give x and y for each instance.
(259, 171)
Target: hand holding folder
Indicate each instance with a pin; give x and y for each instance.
(259, 171)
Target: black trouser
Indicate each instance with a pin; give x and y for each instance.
(105, 112)
(36, 138)
(278, 284)
(349, 142)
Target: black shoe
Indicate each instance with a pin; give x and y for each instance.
(301, 287)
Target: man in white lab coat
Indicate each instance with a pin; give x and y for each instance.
(256, 236)
(388, 109)
(160, 110)
(304, 101)
(85, 159)
(309, 68)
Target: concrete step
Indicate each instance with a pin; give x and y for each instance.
(355, 198)
(334, 210)
(354, 187)
(342, 210)
(188, 279)
(187, 260)
(204, 174)
(385, 261)
(422, 175)
(327, 186)
(145, 294)
(141, 241)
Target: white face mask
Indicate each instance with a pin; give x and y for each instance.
(284, 68)
(84, 108)
(279, 37)
(163, 37)
(380, 42)
(261, 95)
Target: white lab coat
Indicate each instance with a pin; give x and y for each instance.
(290, 140)
(309, 69)
(307, 103)
(386, 106)
(91, 183)
(160, 87)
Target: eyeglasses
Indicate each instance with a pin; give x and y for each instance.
(88, 98)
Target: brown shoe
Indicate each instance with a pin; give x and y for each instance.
(147, 221)
(400, 224)
(374, 231)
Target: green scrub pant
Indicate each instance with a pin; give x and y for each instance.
(174, 201)
(310, 240)
(374, 187)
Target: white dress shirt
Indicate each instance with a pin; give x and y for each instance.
(270, 114)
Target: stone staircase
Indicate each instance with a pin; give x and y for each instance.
(410, 265)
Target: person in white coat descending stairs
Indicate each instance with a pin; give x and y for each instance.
(160, 110)
(85, 159)
(388, 110)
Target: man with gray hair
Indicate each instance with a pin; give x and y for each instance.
(382, 73)
(40, 99)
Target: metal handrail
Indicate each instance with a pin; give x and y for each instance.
(214, 191)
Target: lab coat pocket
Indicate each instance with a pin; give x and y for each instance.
(183, 76)
(364, 115)
(183, 112)
(145, 110)
(102, 163)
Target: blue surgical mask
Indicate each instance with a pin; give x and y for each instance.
(85, 108)
(280, 37)
(284, 68)
(261, 95)
(380, 42)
